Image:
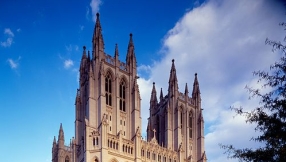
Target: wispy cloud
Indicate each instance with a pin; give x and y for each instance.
(94, 4)
(70, 48)
(87, 13)
(14, 64)
(8, 32)
(68, 63)
(18, 30)
(10, 35)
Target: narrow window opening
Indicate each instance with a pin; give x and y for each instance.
(122, 96)
(108, 88)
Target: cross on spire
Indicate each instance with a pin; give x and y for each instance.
(154, 130)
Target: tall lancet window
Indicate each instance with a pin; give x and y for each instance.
(190, 125)
(108, 89)
(122, 96)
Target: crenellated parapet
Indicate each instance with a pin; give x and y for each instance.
(112, 60)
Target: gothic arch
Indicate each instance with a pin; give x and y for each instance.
(181, 108)
(109, 71)
(124, 79)
(191, 113)
(95, 159)
(113, 160)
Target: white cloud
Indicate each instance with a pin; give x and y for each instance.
(8, 32)
(9, 40)
(94, 4)
(223, 41)
(87, 13)
(144, 70)
(14, 64)
(68, 63)
(19, 30)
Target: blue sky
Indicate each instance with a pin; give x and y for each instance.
(41, 46)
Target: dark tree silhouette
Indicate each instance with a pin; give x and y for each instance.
(270, 116)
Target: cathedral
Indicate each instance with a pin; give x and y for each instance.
(108, 114)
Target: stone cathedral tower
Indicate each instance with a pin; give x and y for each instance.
(108, 114)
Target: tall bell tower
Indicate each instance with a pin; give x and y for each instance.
(108, 98)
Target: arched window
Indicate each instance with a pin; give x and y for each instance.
(67, 159)
(122, 87)
(190, 125)
(108, 89)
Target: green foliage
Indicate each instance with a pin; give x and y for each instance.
(270, 117)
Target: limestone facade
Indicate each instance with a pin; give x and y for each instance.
(108, 114)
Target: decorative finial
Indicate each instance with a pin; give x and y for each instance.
(153, 83)
(173, 60)
(196, 74)
(130, 34)
(84, 48)
(97, 15)
(154, 131)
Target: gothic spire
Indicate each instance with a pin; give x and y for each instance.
(54, 142)
(61, 133)
(161, 95)
(153, 94)
(116, 51)
(130, 41)
(97, 40)
(173, 75)
(196, 88)
(130, 57)
(54, 139)
(186, 89)
(173, 82)
(84, 53)
(61, 138)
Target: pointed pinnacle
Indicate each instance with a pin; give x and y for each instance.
(54, 139)
(173, 75)
(116, 51)
(154, 89)
(161, 94)
(186, 89)
(131, 40)
(97, 20)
